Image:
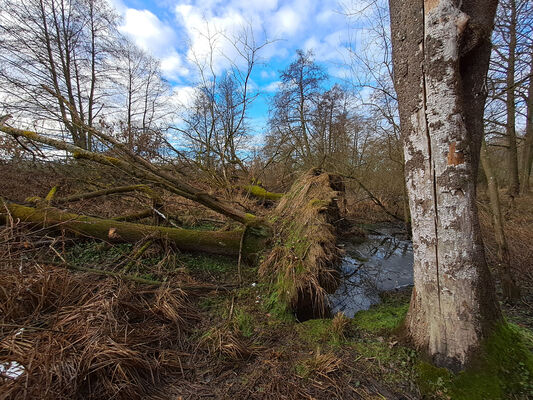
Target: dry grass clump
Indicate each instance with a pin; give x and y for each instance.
(302, 260)
(339, 324)
(225, 342)
(323, 364)
(80, 337)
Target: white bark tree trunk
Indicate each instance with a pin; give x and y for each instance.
(440, 52)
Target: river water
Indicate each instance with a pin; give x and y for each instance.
(383, 262)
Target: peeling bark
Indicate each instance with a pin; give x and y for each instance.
(440, 53)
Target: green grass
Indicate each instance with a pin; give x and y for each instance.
(276, 308)
(96, 252)
(315, 331)
(203, 263)
(244, 322)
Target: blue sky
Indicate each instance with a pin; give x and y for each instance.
(174, 31)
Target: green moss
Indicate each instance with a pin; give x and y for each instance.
(249, 219)
(33, 199)
(277, 309)
(50, 196)
(318, 203)
(382, 318)
(262, 193)
(315, 331)
(503, 370)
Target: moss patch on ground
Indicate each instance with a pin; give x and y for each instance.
(383, 318)
(504, 370)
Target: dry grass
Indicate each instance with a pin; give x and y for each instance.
(323, 364)
(302, 260)
(225, 342)
(339, 324)
(80, 337)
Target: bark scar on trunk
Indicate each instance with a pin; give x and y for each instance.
(455, 157)
(430, 5)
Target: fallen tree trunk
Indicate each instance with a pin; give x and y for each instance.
(143, 169)
(223, 243)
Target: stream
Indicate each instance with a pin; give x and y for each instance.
(383, 262)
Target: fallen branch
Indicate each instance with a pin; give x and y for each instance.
(104, 192)
(262, 193)
(135, 216)
(214, 242)
(142, 169)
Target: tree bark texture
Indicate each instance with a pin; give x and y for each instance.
(441, 50)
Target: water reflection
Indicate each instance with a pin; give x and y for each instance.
(383, 262)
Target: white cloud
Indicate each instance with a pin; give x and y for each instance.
(156, 37)
(211, 36)
(272, 87)
(147, 31)
(173, 67)
(286, 22)
(182, 96)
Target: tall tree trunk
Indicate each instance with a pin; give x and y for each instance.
(527, 154)
(510, 290)
(441, 52)
(510, 128)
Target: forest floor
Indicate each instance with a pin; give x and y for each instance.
(205, 334)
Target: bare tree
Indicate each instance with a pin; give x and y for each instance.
(140, 98)
(527, 153)
(214, 126)
(60, 45)
(508, 81)
(441, 51)
(295, 102)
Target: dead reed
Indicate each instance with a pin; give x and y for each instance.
(80, 336)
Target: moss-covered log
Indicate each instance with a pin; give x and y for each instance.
(261, 193)
(225, 243)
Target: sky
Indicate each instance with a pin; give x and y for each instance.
(174, 31)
